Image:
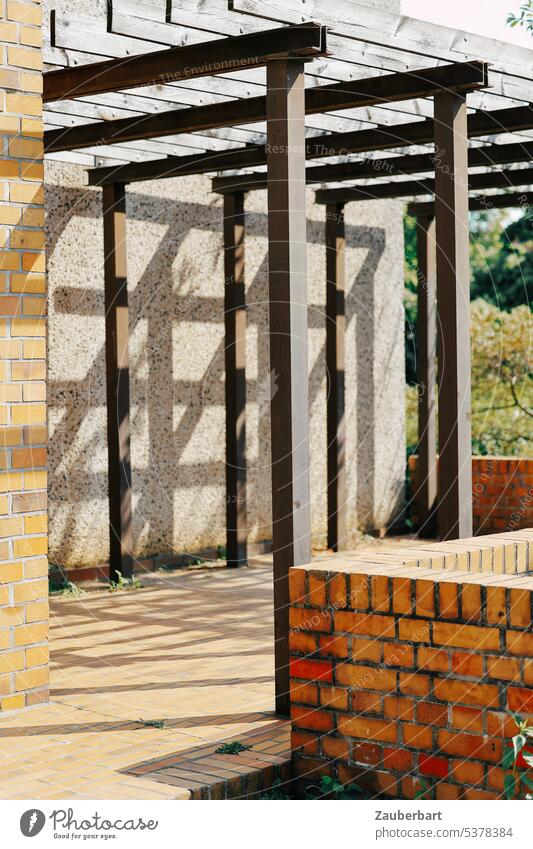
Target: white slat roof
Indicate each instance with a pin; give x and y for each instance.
(363, 42)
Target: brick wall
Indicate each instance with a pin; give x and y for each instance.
(23, 541)
(402, 671)
(502, 489)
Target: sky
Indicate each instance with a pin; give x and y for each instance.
(486, 17)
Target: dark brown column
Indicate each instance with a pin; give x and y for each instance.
(426, 365)
(117, 381)
(453, 312)
(335, 329)
(291, 525)
(235, 349)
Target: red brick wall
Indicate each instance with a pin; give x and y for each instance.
(402, 672)
(502, 489)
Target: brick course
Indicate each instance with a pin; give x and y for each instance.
(23, 437)
(411, 672)
(502, 490)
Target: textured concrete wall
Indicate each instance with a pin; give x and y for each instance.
(177, 359)
(176, 353)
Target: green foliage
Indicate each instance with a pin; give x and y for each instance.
(123, 583)
(501, 259)
(501, 262)
(424, 790)
(58, 583)
(332, 788)
(524, 17)
(153, 723)
(233, 748)
(275, 793)
(502, 382)
(518, 758)
(502, 379)
(67, 588)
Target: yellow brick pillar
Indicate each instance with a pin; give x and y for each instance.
(23, 539)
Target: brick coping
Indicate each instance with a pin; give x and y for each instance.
(506, 559)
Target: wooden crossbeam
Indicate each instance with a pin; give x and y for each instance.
(393, 166)
(185, 63)
(517, 119)
(346, 95)
(481, 202)
(408, 188)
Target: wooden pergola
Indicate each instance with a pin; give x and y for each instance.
(375, 98)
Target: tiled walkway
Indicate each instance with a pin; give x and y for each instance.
(190, 650)
(146, 685)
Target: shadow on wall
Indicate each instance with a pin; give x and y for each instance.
(176, 376)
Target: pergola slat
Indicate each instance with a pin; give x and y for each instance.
(406, 188)
(381, 138)
(117, 382)
(183, 63)
(454, 509)
(393, 166)
(378, 27)
(350, 95)
(480, 202)
(291, 521)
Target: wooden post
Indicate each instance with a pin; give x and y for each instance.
(426, 366)
(117, 381)
(291, 525)
(335, 329)
(453, 312)
(235, 387)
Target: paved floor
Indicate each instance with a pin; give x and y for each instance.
(144, 683)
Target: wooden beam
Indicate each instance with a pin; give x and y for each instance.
(335, 369)
(391, 166)
(117, 382)
(423, 186)
(517, 119)
(425, 491)
(480, 202)
(235, 384)
(339, 96)
(291, 524)
(184, 63)
(453, 311)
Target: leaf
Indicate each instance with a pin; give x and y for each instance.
(528, 759)
(518, 744)
(509, 786)
(508, 758)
